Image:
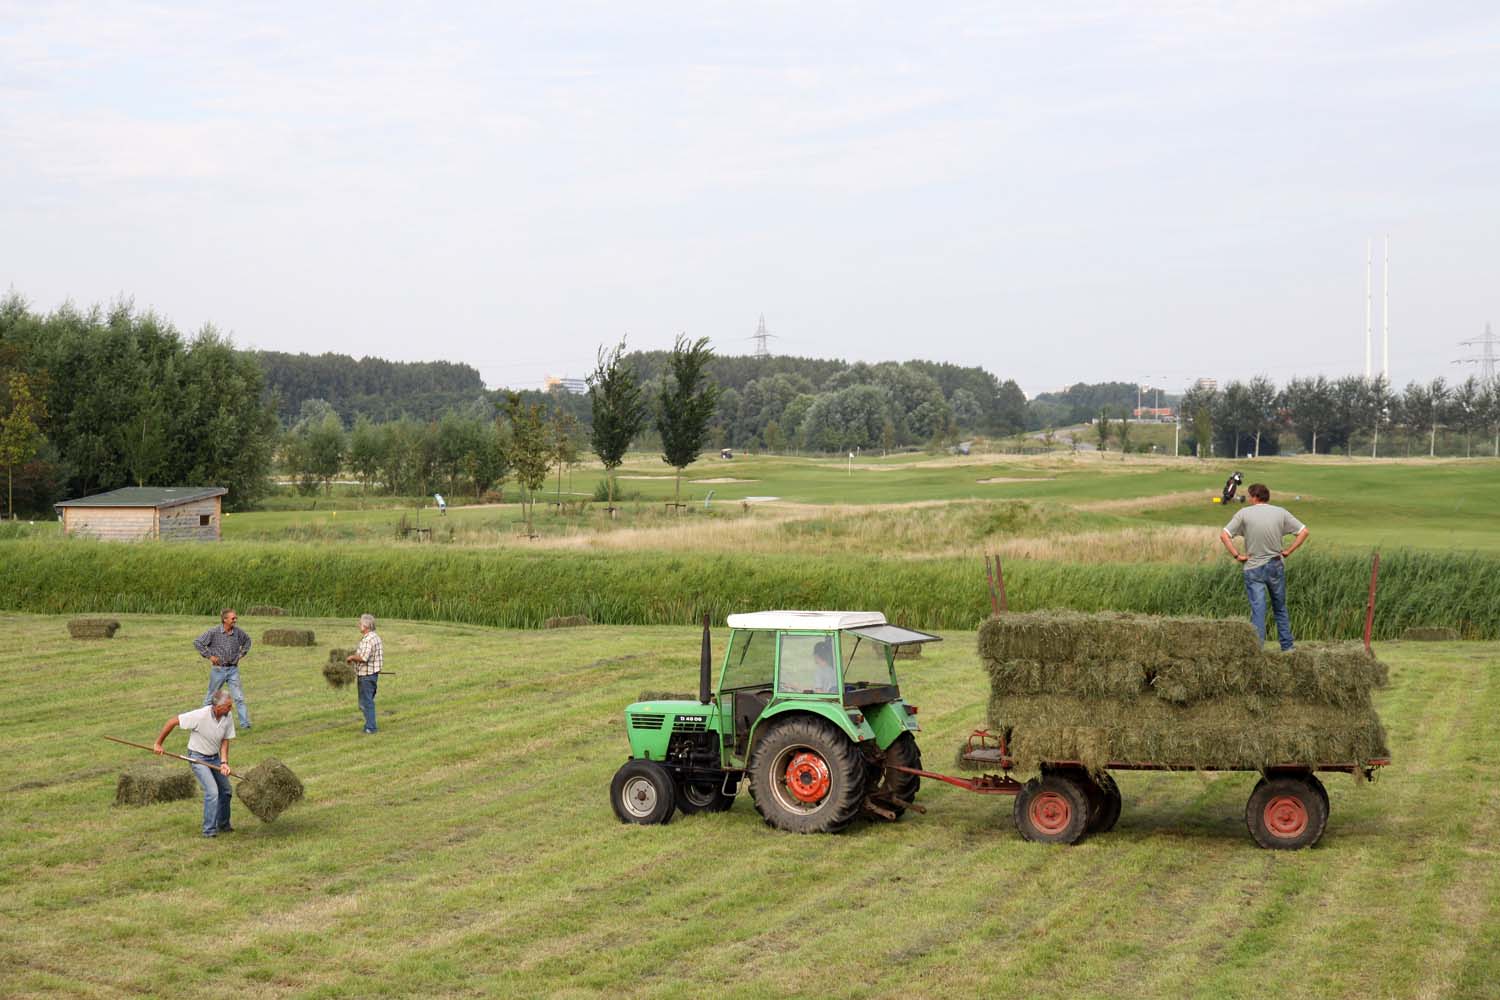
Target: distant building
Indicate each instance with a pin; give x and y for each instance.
(576, 386)
(1153, 413)
(1206, 383)
(141, 513)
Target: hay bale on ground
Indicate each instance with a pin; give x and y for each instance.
(666, 696)
(912, 652)
(269, 610)
(93, 628)
(568, 621)
(1430, 633)
(288, 637)
(269, 789)
(154, 781)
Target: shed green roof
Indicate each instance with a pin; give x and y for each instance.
(147, 496)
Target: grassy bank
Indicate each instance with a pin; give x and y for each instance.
(469, 848)
(516, 589)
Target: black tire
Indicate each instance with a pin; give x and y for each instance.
(883, 785)
(643, 792)
(1105, 802)
(1287, 813)
(702, 796)
(816, 759)
(1053, 809)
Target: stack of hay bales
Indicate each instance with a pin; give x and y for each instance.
(153, 781)
(337, 672)
(288, 637)
(93, 628)
(1184, 692)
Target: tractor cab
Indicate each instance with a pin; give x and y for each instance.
(829, 676)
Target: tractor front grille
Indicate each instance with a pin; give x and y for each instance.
(647, 721)
(695, 724)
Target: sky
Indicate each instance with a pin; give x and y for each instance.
(1133, 191)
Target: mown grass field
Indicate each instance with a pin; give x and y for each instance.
(469, 848)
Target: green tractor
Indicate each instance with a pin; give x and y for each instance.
(807, 707)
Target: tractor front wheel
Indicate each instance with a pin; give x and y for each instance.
(703, 796)
(1052, 809)
(643, 792)
(806, 776)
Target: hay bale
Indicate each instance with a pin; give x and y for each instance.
(338, 673)
(288, 637)
(1430, 633)
(568, 621)
(666, 696)
(269, 788)
(154, 781)
(93, 628)
(911, 652)
(269, 610)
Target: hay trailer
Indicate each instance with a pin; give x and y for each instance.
(1287, 809)
(806, 707)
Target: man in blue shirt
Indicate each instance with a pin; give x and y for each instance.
(223, 647)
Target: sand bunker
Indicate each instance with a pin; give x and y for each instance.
(1016, 479)
(722, 479)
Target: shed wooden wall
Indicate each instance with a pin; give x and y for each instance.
(116, 524)
(180, 523)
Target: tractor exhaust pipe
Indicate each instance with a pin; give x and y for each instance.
(705, 667)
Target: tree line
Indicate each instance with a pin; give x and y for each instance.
(370, 387)
(1327, 415)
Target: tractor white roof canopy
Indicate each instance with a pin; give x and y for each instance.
(812, 620)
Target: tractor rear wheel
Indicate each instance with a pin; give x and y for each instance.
(643, 792)
(883, 785)
(806, 776)
(1287, 813)
(1052, 809)
(702, 796)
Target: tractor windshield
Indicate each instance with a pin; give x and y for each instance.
(865, 663)
(751, 662)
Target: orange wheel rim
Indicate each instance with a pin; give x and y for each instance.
(1050, 813)
(807, 777)
(1285, 816)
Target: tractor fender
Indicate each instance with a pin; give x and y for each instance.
(889, 721)
(832, 711)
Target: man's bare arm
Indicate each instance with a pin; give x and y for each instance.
(1229, 544)
(1296, 543)
(165, 731)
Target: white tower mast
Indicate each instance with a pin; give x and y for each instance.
(1367, 309)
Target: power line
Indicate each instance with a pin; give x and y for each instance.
(1485, 359)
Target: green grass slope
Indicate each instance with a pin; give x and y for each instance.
(469, 848)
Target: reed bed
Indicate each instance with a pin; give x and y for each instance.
(522, 589)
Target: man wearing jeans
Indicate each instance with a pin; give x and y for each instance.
(367, 658)
(223, 647)
(209, 731)
(1264, 527)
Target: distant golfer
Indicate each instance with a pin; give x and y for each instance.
(1264, 528)
(367, 658)
(224, 647)
(209, 730)
(442, 504)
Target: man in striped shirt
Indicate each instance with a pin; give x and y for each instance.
(367, 658)
(224, 647)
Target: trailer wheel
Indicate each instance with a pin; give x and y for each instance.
(806, 776)
(1287, 813)
(643, 792)
(703, 797)
(1052, 809)
(883, 784)
(1105, 802)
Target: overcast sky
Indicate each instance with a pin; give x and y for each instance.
(1056, 192)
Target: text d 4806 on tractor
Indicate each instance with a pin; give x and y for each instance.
(807, 707)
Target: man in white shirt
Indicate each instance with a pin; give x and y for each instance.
(367, 658)
(209, 730)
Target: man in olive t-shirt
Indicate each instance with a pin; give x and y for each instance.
(1264, 527)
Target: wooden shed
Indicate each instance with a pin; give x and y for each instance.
(138, 513)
